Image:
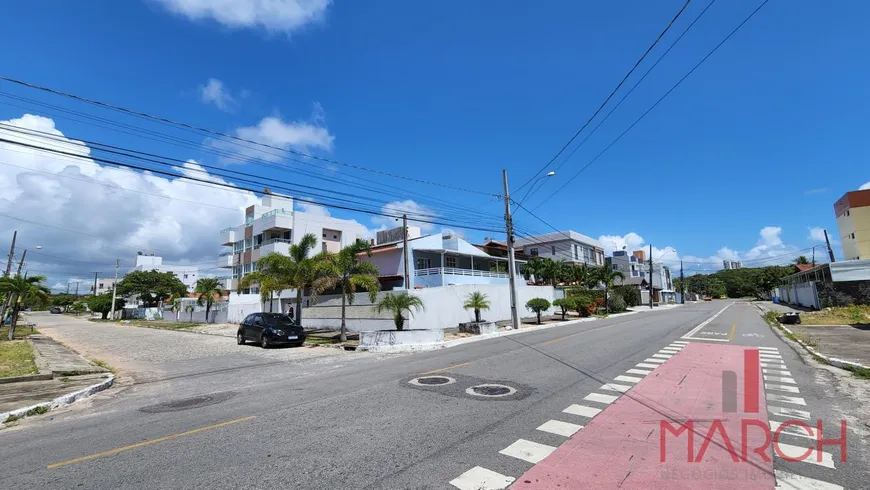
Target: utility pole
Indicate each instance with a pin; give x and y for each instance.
(682, 285)
(651, 288)
(814, 256)
(21, 262)
(11, 253)
(95, 282)
(77, 290)
(405, 251)
(509, 229)
(115, 287)
(67, 288)
(828, 242)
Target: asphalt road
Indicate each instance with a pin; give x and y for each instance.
(357, 422)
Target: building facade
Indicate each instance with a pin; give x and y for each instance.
(853, 221)
(569, 245)
(105, 285)
(185, 273)
(437, 260)
(272, 226)
(731, 264)
(636, 271)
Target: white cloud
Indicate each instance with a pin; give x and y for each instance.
(312, 209)
(115, 211)
(817, 234)
(770, 236)
(631, 241)
(273, 15)
(214, 92)
(273, 131)
(409, 207)
(864, 187)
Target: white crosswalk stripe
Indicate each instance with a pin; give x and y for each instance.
(628, 379)
(807, 432)
(530, 451)
(582, 410)
(794, 400)
(779, 379)
(479, 478)
(812, 455)
(662, 356)
(788, 412)
(657, 361)
(615, 387)
(642, 372)
(777, 372)
(646, 366)
(790, 389)
(598, 397)
(560, 428)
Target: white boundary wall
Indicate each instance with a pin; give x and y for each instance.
(444, 304)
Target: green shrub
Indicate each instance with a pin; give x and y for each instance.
(538, 305)
(566, 304)
(616, 304)
(629, 294)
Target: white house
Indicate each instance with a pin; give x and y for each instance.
(567, 245)
(185, 273)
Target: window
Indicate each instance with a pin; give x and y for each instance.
(335, 237)
(324, 235)
(552, 250)
(853, 236)
(424, 263)
(533, 252)
(450, 261)
(185, 276)
(576, 252)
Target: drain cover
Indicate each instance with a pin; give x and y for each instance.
(491, 390)
(432, 381)
(188, 403)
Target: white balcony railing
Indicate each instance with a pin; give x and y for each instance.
(435, 271)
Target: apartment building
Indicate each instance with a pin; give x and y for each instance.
(149, 262)
(568, 245)
(635, 265)
(731, 264)
(853, 221)
(105, 285)
(272, 226)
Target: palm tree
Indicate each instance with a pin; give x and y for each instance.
(397, 304)
(534, 267)
(553, 270)
(271, 277)
(578, 274)
(175, 307)
(606, 276)
(21, 289)
(207, 288)
(189, 309)
(304, 270)
(344, 271)
(802, 260)
(476, 301)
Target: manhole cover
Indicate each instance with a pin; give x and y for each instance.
(432, 381)
(188, 403)
(491, 390)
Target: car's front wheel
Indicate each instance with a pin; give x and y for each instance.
(240, 338)
(264, 342)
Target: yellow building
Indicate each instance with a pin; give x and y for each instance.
(853, 220)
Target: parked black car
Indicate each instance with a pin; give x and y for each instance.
(270, 329)
(56, 310)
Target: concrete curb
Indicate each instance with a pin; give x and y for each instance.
(478, 338)
(833, 361)
(57, 402)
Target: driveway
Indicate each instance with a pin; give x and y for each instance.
(147, 354)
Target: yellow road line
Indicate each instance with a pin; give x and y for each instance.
(731, 335)
(148, 443)
(447, 368)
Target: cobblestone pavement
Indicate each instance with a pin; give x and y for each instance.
(146, 354)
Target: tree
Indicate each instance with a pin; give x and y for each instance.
(78, 307)
(476, 301)
(606, 275)
(578, 274)
(152, 287)
(345, 272)
(534, 267)
(538, 305)
(207, 288)
(802, 260)
(566, 304)
(189, 309)
(63, 300)
(22, 289)
(102, 303)
(174, 306)
(270, 277)
(397, 304)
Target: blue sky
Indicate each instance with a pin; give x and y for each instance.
(769, 132)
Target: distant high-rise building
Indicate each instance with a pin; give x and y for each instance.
(732, 264)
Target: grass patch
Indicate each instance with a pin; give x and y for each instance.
(21, 331)
(37, 411)
(858, 372)
(63, 380)
(103, 365)
(13, 418)
(16, 359)
(846, 315)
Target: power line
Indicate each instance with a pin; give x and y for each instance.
(229, 136)
(241, 188)
(173, 140)
(663, 97)
(271, 182)
(618, 86)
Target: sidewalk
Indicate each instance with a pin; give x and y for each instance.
(849, 343)
(72, 377)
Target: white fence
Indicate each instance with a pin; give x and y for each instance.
(437, 271)
(803, 294)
